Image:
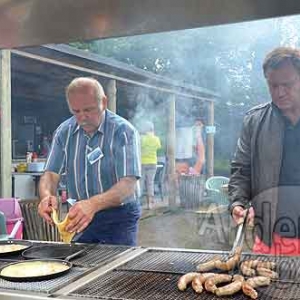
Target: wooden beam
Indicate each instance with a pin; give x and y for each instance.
(5, 129)
(210, 140)
(107, 75)
(171, 145)
(111, 92)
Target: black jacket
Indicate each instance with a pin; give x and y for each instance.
(255, 169)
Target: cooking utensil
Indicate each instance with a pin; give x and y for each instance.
(52, 268)
(53, 251)
(240, 234)
(13, 245)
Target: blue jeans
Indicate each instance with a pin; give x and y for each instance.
(114, 226)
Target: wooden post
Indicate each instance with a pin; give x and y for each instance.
(171, 153)
(5, 122)
(111, 89)
(210, 141)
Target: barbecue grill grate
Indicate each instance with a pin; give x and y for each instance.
(146, 285)
(100, 254)
(183, 262)
(44, 286)
(167, 261)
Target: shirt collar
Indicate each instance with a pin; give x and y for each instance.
(100, 128)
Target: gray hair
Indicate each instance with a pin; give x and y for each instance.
(279, 56)
(81, 84)
(148, 126)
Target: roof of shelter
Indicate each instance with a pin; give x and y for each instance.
(41, 73)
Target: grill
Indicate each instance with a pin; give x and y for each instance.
(95, 256)
(167, 261)
(100, 254)
(154, 275)
(45, 286)
(144, 285)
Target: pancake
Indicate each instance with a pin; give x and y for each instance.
(61, 226)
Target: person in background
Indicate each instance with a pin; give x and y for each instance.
(150, 143)
(266, 165)
(99, 153)
(195, 164)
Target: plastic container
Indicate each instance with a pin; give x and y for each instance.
(12, 211)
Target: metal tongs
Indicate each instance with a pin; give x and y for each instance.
(240, 234)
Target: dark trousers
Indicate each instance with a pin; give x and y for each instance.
(114, 226)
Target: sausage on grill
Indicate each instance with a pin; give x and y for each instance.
(267, 273)
(208, 265)
(211, 283)
(232, 287)
(199, 280)
(185, 279)
(248, 267)
(251, 283)
(217, 263)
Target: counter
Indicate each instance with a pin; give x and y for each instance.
(25, 184)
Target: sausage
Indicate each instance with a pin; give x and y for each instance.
(228, 265)
(238, 278)
(185, 279)
(255, 263)
(267, 273)
(266, 264)
(231, 263)
(211, 283)
(248, 266)
(248, 290)
(251, 283)
(259, 281)
(198, 281)
(246, 269)
(232, 287)
(209, 265)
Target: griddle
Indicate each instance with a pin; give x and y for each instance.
(60, 251)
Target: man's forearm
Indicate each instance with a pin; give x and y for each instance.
(116, 194)
(48, 184)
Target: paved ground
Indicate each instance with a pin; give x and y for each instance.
(208, 229)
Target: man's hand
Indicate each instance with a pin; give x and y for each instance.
(45, 208)
(239, 213)
(81, 214)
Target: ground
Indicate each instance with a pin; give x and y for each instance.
(208, 229)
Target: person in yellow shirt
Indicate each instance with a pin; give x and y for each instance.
(150, 143)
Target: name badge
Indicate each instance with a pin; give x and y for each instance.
(95, 155)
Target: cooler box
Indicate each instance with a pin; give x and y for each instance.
(12, 211)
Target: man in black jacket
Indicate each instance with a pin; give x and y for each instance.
(266, 165)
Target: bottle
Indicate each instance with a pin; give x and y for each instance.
(29, 157)
(34, 157)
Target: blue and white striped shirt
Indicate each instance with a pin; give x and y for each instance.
(119, 143)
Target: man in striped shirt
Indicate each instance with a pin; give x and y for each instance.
(98, 151)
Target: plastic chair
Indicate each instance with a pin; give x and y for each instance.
(36, 228)
(215, 190)
(3, 231)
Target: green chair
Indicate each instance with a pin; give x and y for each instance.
(215, 190)
(3, 232)
(4, 236)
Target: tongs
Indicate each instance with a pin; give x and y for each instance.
(240, 234)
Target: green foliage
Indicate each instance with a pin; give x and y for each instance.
(226, 59)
